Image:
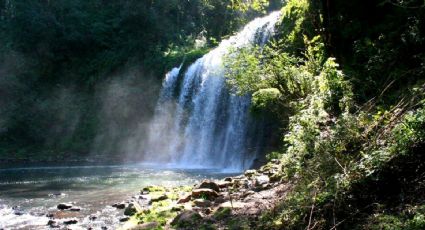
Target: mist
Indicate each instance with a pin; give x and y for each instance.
(127, 102)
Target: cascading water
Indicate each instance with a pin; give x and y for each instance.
(206, 126)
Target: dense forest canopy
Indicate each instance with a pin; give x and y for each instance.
(60, 59)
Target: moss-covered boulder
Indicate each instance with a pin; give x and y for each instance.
(187, 219)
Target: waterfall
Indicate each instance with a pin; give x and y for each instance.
(198, 123)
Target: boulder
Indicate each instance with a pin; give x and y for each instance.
(184, 199)
(186, 219)
(64, 206)
(262, 180)
(204, 193)
(210, 185)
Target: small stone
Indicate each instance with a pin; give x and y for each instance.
(64, 206)
(177, 208)
(229, 179)
(69, 222)
(204, 193)
(92, 218)
(124, 219)
(184, 199)
(75, 209)
(50, 215)
(210, 185)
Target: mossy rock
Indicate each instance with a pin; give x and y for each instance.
(130, 210)
(152, 188)
(222, 213)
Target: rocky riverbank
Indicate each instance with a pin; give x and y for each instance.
(233, 201)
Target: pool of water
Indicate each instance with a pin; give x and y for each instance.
(29, 193)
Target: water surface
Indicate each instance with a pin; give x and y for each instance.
(27, 194)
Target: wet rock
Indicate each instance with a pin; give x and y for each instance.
(204, 193)
(52, 224)
(75, 209)
(71, 221)
(159, 198)
(184, 199)
(92, 218)
(50, 215)
(119, 205)
(146, 226)
(19, 213)
(104, 228)
(261, 180)
(202, 203)
(186, 219)
(64, 206)
(209, 185)
(124, 219)
(130, 210)
(229, 179)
